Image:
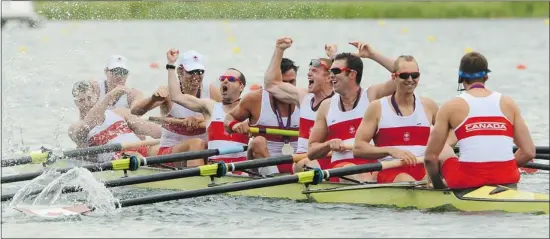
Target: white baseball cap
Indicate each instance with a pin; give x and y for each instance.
(192, 60)
(116, 61)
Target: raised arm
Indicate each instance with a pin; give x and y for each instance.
(273, 78)
(366, 131)
(191, 102)
(318, 146)
(96, 115)
(522, 136)
(436, 142)
(159, 98)
(215, 93)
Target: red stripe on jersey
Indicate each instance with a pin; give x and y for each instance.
(275, 138)
(111, 132)
(344, 130)
(216, 131)
(305, 127)
(485, 125)
(402, 136)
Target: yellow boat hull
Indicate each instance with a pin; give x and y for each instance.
(400, 195)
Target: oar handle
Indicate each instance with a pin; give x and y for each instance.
(172, 120)
(281, 132)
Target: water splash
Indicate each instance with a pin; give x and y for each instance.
(97, 195)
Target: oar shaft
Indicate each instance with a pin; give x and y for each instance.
(542, 156)
(537, 166)
(177, 157)
(302, 177)
(281, 132)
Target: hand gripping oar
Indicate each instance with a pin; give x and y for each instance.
(132, 163)
(254, 130)
(217, 170)
(47, 157)
(310, 177)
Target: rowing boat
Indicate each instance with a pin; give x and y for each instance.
(400, 195)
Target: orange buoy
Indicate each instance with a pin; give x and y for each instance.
(154, 65)
(255, 87)
(521, 67)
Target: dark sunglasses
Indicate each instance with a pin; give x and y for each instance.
(319, 63)
(230, 79)
(119, 71)
(406, 75)
(195, 72)
(336, 70)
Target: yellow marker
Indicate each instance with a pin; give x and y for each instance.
(231, 39)
(236, 50)
(22, 50)
(404, 30)
(65, 31)
(225, 22)
(431, 38)
(381, 23)
(45, 38)
(546, 21)
(467, 50)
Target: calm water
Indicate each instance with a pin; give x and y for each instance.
(39, 67)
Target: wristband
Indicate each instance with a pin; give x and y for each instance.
(168, 67)
(232, 123)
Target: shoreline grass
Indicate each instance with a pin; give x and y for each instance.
(158, 10)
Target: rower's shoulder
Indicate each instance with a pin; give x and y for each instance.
(428, 102)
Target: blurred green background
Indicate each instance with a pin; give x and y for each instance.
(286, 10)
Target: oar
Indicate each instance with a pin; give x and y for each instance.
(46, 156)
(541, 151)
(281, 132)
(219, 170)
(309, 177)
(540, 166)
(254, 130)
(133, 163)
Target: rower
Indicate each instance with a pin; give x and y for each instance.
(101, 125)
(486, 124)
(308, 100)
(188, 136)
(399, 124)
(232, 85)
(338, 118)
(263, 110)
(116, 73)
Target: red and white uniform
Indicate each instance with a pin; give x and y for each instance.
(307, 120)
(268, 120)
(219, 138)
(114, 129)
(122, 101)
(486, 140)
(344, 125)
(172, 134)
(409, 133)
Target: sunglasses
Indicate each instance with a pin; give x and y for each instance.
(119, 71)
(196, 72)
(406, 75)
(230, 79)
(336, 70)
(319, 63)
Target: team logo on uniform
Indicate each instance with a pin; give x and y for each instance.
(485, 126)
(406, 136)
(196, 58)
(352, 129)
